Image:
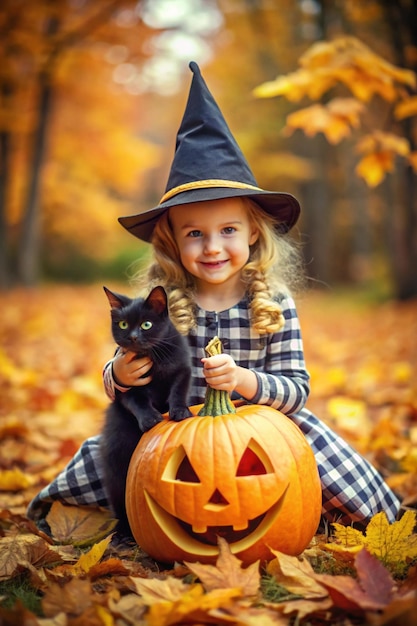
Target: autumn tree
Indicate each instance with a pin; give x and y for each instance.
(36, 38)
(326, 71)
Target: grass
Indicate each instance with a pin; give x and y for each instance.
(17, 590)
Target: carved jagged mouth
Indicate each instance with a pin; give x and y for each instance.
(209, 536)
(205, 543)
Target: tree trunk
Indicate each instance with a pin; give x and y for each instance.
(5, 278)
(28, 261)
(402, 20)
(30, 239)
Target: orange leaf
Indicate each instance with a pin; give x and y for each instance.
(109, 567)
(296, 575)
(373, 167)
(228, 572)
(335, 120)
(406, 108)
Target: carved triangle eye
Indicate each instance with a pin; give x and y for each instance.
(254, 461)
(179, 468)
(186, 472)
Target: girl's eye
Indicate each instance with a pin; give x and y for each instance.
(194, 233)
(229, 230)
(123, 324)
(146, 325)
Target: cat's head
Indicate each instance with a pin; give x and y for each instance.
(138, 324)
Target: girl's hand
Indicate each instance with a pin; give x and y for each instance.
(220, 372)
(129, 371)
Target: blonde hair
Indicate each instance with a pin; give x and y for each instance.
(274, 267)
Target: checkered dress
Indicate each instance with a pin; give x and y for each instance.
(353, 491)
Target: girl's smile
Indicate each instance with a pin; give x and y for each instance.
(214, 239)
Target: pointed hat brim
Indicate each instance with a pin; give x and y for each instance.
(209, 165)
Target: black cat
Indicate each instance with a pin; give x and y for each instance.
(143, 326)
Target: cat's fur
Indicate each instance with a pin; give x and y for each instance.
(143, 326)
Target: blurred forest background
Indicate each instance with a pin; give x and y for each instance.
(321, 96)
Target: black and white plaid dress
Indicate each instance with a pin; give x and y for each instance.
(353, 491)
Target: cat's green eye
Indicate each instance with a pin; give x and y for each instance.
(146, 325)
(123, 324)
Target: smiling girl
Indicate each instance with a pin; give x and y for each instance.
(222, 253)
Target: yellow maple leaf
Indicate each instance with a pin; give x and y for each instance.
(393, 544)
(347, 537)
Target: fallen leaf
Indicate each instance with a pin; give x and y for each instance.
(92, 557)
(394, 544)
(21, 552)
(249, 616)
(373, 577)
(73, 598)
(193, 607)
(154, 590)
(129, 607)
(15, 480)
(80, 526)
(109, 567)
(373, 590)
(228, 572)
(296, 575)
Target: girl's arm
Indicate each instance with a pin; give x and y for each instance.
(108, 380)
(284, 382)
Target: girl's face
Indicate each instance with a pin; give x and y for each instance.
(213, 238)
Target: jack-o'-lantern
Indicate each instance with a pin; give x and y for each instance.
(244, 473)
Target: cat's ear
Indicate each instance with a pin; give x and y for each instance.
(115, 300)
(157, 299)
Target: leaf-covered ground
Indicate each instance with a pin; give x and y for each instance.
(363, 363)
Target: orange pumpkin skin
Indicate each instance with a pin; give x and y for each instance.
(183, 490)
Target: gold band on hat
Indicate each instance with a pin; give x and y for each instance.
(206, 184)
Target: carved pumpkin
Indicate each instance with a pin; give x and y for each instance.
(246, 474)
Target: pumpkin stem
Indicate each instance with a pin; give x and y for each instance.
(217, 401)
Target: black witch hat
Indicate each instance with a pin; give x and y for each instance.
(209, 165)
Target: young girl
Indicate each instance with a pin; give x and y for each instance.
(221, 253)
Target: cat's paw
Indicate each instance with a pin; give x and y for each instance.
(148, 422)
(179, 413)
